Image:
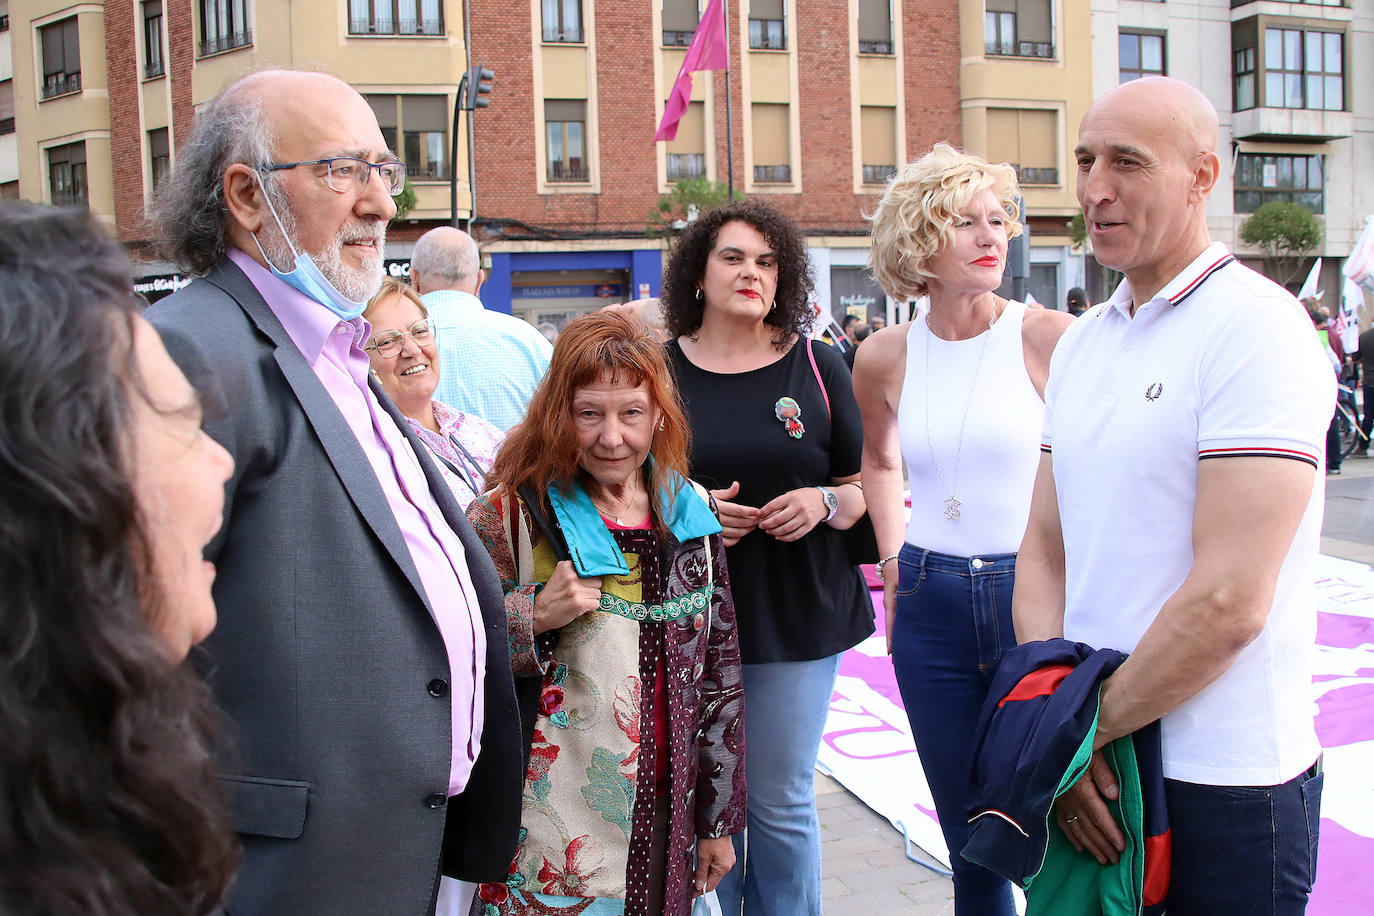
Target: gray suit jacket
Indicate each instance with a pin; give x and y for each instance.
(326, 657)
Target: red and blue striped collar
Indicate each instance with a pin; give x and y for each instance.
(1196, 283)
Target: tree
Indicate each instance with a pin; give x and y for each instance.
(1285, 233)
(405, 201)
(687, 200)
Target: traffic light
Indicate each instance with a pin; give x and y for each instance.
(479, 87)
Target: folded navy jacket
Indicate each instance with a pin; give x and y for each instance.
(1034, 740)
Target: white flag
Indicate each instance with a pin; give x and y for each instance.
(1309, 286)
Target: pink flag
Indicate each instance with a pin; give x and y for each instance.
(707, 51)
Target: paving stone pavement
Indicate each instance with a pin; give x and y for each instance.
(864, 869)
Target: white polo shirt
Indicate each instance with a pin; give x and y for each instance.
(1222, 362)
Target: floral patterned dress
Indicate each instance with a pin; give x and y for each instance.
(591, 787)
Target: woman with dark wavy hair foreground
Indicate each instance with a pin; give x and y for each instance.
(108, 492)
(775, 430)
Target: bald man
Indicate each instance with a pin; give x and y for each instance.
(1177, 513)
(489, 362)
(361, 649)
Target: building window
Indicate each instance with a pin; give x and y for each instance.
(1244, 60)
(772, 143)
(6, 107)
(685, 154)
(159, 155)
(766, 23)
(686, 166)
(61, 58)
(1303, 70)
(416, 126)
(1028, 140)
(152, 39)
(875, 27)
(563, 21)
(223, 26)
(1018, 28)
(565, 129)
(877, 142)
(67, 175)
(395, 17)
(1264, 177)
(680, 20)
(1142, 54)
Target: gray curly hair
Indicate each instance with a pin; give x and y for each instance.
(189, 207)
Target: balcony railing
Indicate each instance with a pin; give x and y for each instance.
(55, 84)
(5, 22)
(6, 126)
(396, 27)
(684, 166)
(226, 42)
(875, 47)
(772, 174)
(571, 170)
(571, 35)
(1040, 49)
(878, 174)
(673, 38)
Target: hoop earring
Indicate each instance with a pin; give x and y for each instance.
(698, 293)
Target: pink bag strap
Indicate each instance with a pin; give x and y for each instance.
(817, 372)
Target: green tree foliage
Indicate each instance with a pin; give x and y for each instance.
(1285, 233)
(687, 200)
(405, 201)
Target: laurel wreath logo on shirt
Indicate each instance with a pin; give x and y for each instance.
(1154, 391)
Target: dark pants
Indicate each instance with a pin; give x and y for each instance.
(1243, 849)
(1333, 443)
(953, 624)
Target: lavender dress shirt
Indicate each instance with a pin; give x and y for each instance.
(333, 348)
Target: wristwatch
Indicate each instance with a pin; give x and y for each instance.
(832, 502)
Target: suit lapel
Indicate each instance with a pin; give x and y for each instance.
(331, 429)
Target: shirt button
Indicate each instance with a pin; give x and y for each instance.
(341, 329)
(977, 563)
(696, 672)
(698, 621)
(438, 687)
(437, 800)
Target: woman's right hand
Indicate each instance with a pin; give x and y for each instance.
(564, 598)
(737, 519)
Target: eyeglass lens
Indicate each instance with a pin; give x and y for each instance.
(343, 170)
(390, 344)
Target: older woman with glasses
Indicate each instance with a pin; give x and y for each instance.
(405, 359)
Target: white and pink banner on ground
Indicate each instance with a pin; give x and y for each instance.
(868, 746)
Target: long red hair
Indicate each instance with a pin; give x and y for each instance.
(543, 449)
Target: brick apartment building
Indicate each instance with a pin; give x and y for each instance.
(826, 98)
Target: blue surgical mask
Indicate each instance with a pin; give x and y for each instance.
(306, 276)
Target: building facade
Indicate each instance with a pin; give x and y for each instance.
(825, 99)
(103, 93)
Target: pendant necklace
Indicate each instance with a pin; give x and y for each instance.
(952, 503)
(606, 513)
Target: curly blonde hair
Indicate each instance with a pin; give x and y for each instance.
(916, 217)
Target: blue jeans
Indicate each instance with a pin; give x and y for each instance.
(953, 624)
(1243, 849)
(778, 860)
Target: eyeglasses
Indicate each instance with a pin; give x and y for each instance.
(344, 173)
(389, 343)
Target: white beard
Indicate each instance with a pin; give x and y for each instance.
(359, 284)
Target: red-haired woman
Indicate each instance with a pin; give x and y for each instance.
(636, 764)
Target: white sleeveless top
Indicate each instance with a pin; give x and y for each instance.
(1001, 440)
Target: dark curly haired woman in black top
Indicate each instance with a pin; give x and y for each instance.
(108, 492)
(776, 434)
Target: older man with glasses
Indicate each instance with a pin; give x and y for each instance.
(361, 653)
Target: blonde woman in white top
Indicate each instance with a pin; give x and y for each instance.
(957, 393)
